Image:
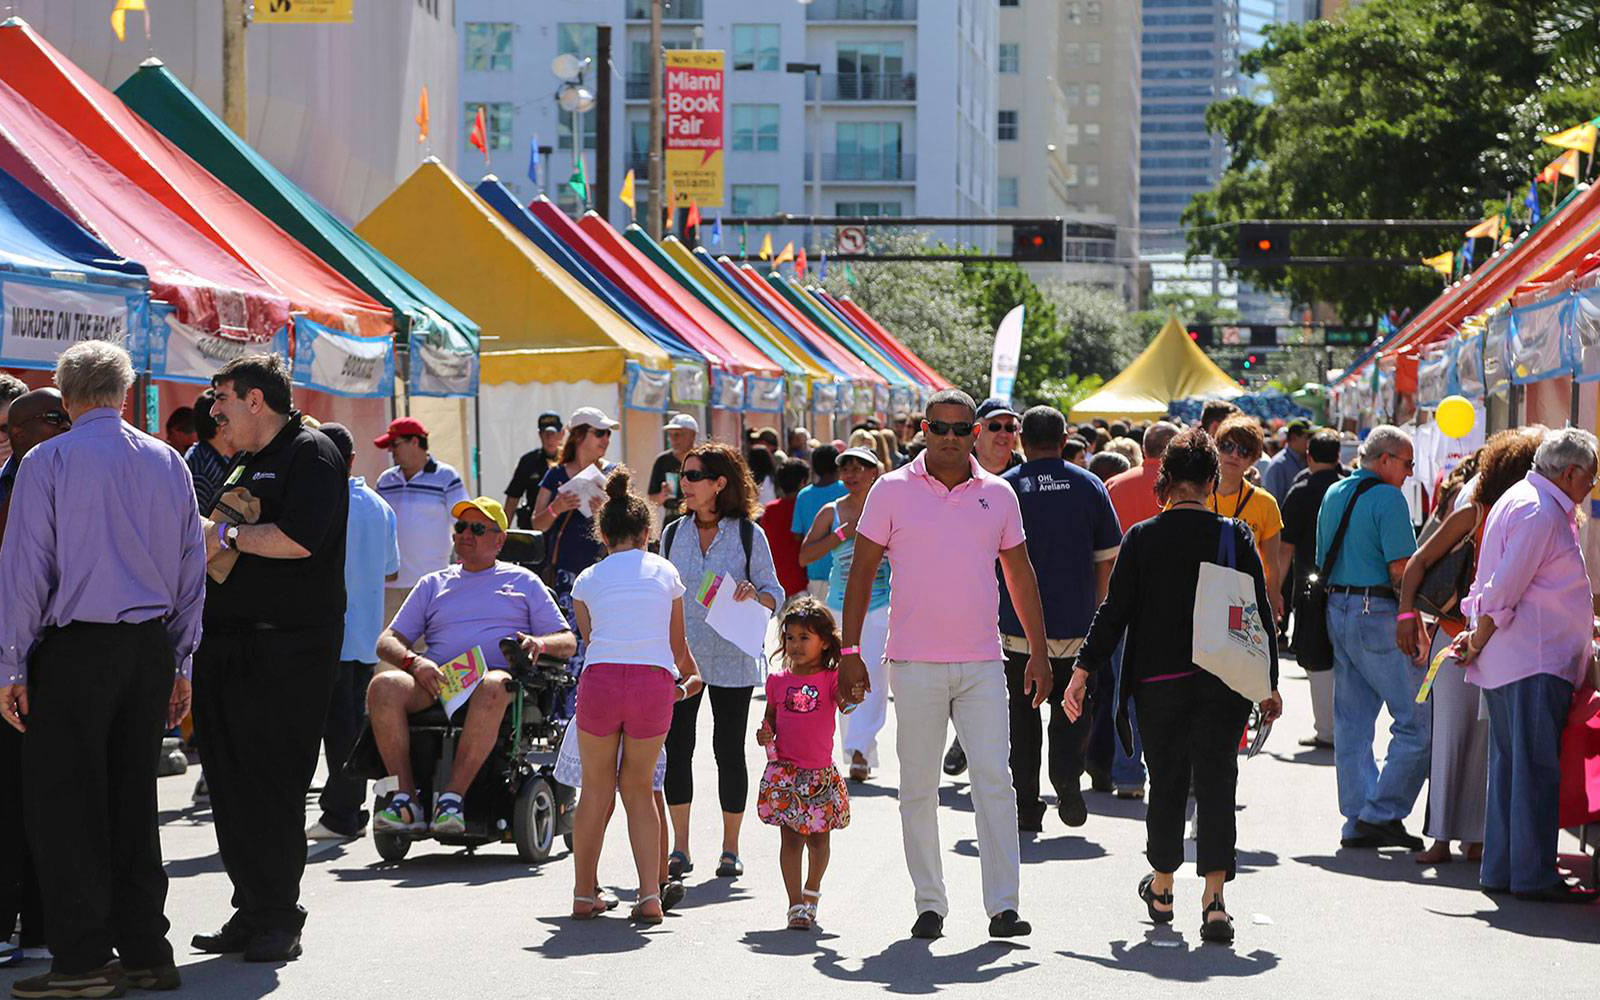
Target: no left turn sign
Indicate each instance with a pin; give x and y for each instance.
(852, 239)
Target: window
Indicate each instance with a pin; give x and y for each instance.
(1178, 37)
(1180, 90)
(1091, 94)
(867, 151)
(1010, 57)
(488, 46)
(1071, 52)
(1091, 134)
(755, 47)
(1179, 55)
(1168, 110)
(864, 209)
(755, 199)
(1006, 130)
(578, 40)
(1190, 125)
(497, 118)
(1091, 174)
(1072, 134)
(1073, 93)
(1074, 12)
(1072, 175)
(1092, 12)
(1091, 53)
(1009, 3)
(866, 68)
(1169, 145)
(755, 128)
(1006, 192)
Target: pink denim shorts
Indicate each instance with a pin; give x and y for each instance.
(630, 698)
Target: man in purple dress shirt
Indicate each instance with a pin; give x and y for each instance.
(102, 577)
(1532, 618)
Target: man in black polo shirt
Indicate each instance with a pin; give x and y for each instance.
(266, 666)
(531, 469)
(1298, 553)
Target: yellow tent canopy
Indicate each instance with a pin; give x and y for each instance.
(539, 324)
(1171, 367)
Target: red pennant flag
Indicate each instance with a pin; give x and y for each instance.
(800, 263)
(692, 220)
(422, 116)
(480, 133)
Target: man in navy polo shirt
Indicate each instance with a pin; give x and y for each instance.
(1073, 537)
(422, 491)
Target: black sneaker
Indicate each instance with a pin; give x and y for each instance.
(1030, 819)
(273, 946)
(929, 925)
(1006, 924)
(229, 938)
(106, 981)
(1072, 809)
(1099, 779)
(157, 977)
(1390, 834)
(672, 893)
(955, 759)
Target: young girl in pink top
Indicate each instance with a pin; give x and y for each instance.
(801, 791)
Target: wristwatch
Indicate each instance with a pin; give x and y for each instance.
(231, 533)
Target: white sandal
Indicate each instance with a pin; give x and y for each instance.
(638, 915)
(800, 917)
(595, 907)
(815, 895)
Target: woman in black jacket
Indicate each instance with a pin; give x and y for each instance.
(1189, 721)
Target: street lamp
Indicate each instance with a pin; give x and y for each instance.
(804, 68)
(575, 99)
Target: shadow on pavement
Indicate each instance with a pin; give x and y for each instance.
(229, 976)
(1249, 861)
(1104, 804)
(711, 892)
(205, 864)
(957, 796)
(1394, 866)
(786, 942)
(425, 870)
(1036, 849)
(1166, 954)
(910, 966)
(872, 790)
(607, 935)
(1310, 755)
(1540, 920)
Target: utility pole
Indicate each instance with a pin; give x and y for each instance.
(600, 187)
(657, 167)
(235, 100)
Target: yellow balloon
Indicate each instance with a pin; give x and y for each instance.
(1455, 416)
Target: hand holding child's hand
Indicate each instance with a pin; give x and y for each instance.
(764, 735)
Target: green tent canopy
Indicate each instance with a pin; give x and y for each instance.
(441, 342)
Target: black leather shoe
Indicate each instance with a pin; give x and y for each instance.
(929, 925)
(1390, 834)
(1072, 809)
(228, 939)
(157, 977)
(955, 759)
(1099, 780)
(273, 946)
(1030, 820)
(1006, 924)
(1561, 892)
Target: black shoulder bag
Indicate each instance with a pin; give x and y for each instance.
(1313, 646)
(747, 538)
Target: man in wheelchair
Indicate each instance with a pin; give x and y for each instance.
(476, 602)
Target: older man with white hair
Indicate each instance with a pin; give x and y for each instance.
(102, 576)
(1370, 671)
(1529, 645)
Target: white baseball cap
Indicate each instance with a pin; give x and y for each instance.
(682, 422)
(591, 416)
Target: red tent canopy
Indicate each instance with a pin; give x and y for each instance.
(102, 124)
(818, 340)
(875, 331)
(211, 290)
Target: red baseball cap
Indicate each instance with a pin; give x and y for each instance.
(401, 427)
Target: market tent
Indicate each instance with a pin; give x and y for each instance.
(38, 239)
(1171, 367)
(102, 124)
(901, 359)
(783, 324)
(551, 343)
(442, 343)
(850, 366)
(865, 321)
(818, 315)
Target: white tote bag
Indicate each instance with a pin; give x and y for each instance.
(1230, 638)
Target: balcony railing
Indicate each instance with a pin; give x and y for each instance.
(639, 163)
(866, 167)
(865, 87)
(638, 86)
(671, 10)
(862, 10)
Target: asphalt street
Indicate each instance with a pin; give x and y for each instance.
(1312, 920)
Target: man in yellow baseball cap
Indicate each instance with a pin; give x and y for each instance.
(487, 506)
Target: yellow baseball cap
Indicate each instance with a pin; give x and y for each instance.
(487, 506)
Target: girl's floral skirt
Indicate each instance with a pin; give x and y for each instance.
(806, 800)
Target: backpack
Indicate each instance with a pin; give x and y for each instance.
(747, 538)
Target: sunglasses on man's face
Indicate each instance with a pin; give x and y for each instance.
(478, 528)
(1002, 427)
(938, 428)
(54, 418)
(696, 475)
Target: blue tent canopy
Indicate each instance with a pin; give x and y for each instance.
(770, 315)
(37, 239)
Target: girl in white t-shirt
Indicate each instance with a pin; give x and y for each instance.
(629, 611)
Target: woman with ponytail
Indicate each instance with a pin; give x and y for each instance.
(629, 611)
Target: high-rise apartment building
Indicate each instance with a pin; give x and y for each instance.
(903, 111)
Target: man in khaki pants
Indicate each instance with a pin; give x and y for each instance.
(942, 521)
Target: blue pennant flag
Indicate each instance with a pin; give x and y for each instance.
(533, 160)
(716, 230)
(1532, 201)
(822, 267)
(1466, 256)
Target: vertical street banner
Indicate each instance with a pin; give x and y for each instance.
(1007, 351)
(694, 88)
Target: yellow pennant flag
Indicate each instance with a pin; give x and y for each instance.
(1443, 263)
(626, 194)
(119, 15)
(1489, 228)
(1580, 138)
(766, 247)
(1569, 163)
(786, 254)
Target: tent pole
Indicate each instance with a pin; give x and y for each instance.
(477, 446)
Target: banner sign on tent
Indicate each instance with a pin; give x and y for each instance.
(825, 396)
(438, 370)
(305, 11)
(41, 317)
(689, 386)
(902, 400)
(853, 397)
(727, 391)
(335, 362)
(1535, 344)
(799, 393)
(648, 389)
(880, 399)
(763, 394)
(180, 353)
(694, 126)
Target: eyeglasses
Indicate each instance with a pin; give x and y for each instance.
(938, 428)
(1410, 464)
(477, 528)
(1230, 448)
(1001, 426)
(696, 475)
(54, 418)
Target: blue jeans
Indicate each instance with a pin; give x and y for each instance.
(1105, 749)
(1522, 818)
(1126, 771)
(1369, 673)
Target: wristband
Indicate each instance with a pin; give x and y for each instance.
(850, 651)
(839, 534)
(406, 663)
(222, 535)
(1405, 616)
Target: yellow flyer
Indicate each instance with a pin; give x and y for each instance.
(461, 677)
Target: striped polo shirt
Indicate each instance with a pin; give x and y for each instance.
(422, 517)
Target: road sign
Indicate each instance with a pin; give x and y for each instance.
(852, 239)
(305, 11)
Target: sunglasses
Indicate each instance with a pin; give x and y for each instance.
(938, 428)
(54, 418)
(477, 528)
(696, 475)
(999, 426)
(1230, 448)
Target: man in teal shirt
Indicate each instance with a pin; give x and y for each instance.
(827, 488)
(1370, 671)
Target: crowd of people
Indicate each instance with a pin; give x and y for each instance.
(975, 563)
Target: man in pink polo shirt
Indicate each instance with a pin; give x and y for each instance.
(942, 521)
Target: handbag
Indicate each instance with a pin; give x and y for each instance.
(1313, 646)
(1230, 638)
(547, 572)
(1447, 581)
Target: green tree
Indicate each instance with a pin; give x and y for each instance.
(1398, 109)
(994, 289)
(1098, 336)
(1189, 308)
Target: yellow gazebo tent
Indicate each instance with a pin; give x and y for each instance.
(1171, 367)
(548, 342)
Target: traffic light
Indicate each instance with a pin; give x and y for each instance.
(1037, 241)
(1262, 244)
(1201, 334)
(1250, 361)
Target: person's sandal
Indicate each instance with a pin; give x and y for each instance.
(815, 897)
(1148, 893)
(729, 865)
(672, 893)
(639, 916)
(860, 770)
(1216, 931)
(1438, 854)
(592, 907)
(799, 917)
(678, 865)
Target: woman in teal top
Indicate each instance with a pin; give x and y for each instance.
(834, 533)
